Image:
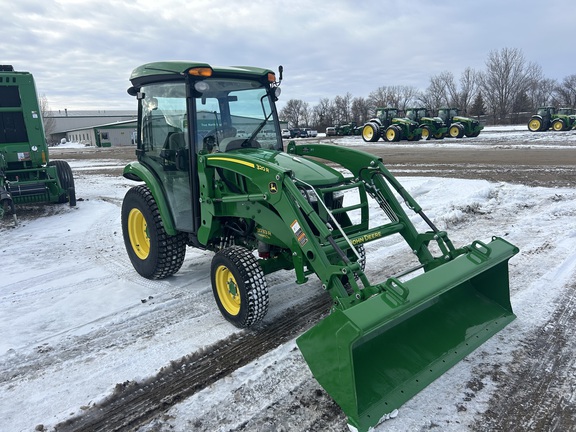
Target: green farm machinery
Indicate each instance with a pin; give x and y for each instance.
(458, 126)
(432, 127)
(312, 209)
(348, 129)
(26, 173)
(390, 127)
(549, 117)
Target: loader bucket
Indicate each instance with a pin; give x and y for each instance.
(376, 355)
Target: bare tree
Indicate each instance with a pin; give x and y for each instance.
(468, 89)
(435, 95)
(293, 112)
(392, 96)
(542, 92)
(323, 114)
(566, 91)
(360, 110)
(507, 75)
(47, 119)
(343, 108)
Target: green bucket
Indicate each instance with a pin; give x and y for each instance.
(376, 355)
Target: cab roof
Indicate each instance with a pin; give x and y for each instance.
(162, 70)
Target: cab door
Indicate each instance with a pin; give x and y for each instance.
(164, 146)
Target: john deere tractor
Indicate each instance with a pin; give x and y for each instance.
(390, 127)
(347, 129)
(312, 209)
(550, 118)
(26, 173)
(459, 126)
(431, 126)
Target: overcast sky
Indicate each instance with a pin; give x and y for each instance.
(81, 52)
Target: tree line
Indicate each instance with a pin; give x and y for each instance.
(508, 90)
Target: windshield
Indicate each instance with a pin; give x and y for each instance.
(230, 113)
(234, 113)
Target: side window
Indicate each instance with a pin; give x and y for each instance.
(163, 115)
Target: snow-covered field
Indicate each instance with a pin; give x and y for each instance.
(77, 320)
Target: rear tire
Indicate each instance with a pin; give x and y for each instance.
(239, 286)
(66, 179)
(154, 253)
(535, 125)
(371, 132)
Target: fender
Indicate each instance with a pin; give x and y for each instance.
(138, 172)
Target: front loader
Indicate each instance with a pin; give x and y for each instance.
(312, 209)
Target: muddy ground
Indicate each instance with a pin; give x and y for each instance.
(518, 162)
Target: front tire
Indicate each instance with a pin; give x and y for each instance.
(426, 133)
(456, 131)
(239, 286)
(393, 134)
(153, 252)
(558, 125)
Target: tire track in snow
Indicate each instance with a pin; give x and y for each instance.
(134, 404)
(537, 394)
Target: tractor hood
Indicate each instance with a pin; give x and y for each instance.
(307, 170)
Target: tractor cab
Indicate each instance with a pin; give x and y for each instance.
(188, 110)
(447, 114)
(546, 112)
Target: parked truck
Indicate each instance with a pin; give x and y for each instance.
(459, 126)
(431, 126)
(27, 175)
(389, 126)
(311, 209)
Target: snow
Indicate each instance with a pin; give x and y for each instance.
(76, 319)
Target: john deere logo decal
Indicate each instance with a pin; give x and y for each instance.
(272, 187)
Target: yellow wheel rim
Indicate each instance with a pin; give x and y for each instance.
(227, 290)
(367, 133)
(454, 131)
(138, 233)
(425, 133)
(557, 126)
(390, 134)
(534, 125)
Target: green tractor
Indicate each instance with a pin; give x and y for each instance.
(549, 118)
(431, 126)
(459, 126)
(390, 127)
(26, 173)
(347, 129)
(311, 209)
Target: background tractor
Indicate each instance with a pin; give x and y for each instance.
(348, 129)
(550, 118)
(311, 209)
(459, 126)
(390, 127)
(26, 173)
(431, 126)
